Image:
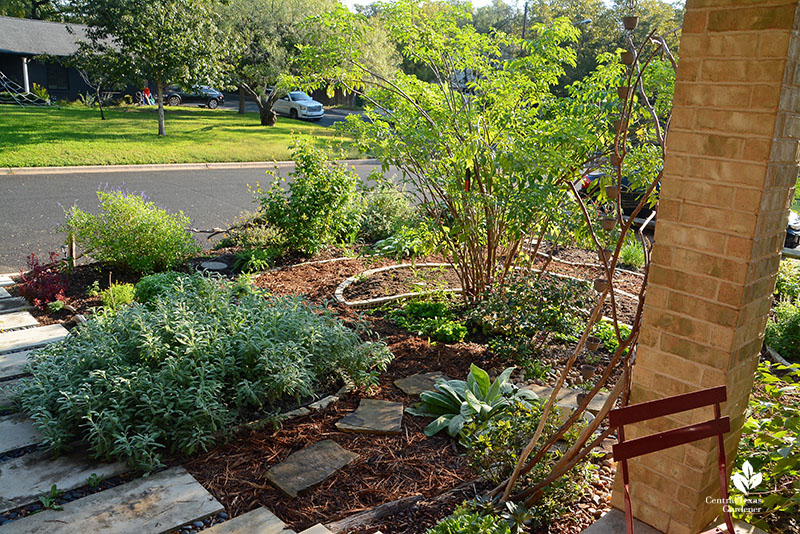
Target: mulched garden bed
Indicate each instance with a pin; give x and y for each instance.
(389, 467)
(406, 280)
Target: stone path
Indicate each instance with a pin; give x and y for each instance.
(24, 479)
(17, 320)
(374, 417)
(14, 304)
(309, 466)
(17, 432)
(258, 521)
(568, 398)
(152, 505)
(18, 340)
(160, 503)
(12, 364)
(416, 384)
(5, 280)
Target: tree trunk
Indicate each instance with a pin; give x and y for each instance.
(268, 117)
(160, 91)
(100, 102)
(241, 100)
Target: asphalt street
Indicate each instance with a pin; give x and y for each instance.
(32, 206)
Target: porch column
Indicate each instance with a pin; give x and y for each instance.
(729, 175)
(25, 81)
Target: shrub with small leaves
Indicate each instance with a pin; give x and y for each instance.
(467, 521)
(787, 287)
(117, 295)
(175, 375)
(432, 319)
(386, 209)
(253, 260)
(131, 233)
(151, 286)
(783, 330)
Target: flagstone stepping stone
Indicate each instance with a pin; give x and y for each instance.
(324, 402)
(14, 304)
(6, 388)
(416, 384)
(32, 337)
(152, 505)
(258, 521)
(317, 529)
(213, 266)
(17, 320)
(374, 417)
(4, 294)
(23, 480)
(12, 364)
(16, 432)
(309, 466)
(5, 280)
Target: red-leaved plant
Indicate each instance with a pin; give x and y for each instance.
(43, 283)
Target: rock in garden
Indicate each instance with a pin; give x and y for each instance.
(416, 384)
(310, 466)
(213, 266)
(374, 417)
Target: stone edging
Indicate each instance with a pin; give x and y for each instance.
(374, 303)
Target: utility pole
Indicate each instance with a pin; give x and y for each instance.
(524, 19)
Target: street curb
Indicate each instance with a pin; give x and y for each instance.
(156, 167)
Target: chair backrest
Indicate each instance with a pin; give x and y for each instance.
(635, 413)
(668, 406)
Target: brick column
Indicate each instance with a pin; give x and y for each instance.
(729, 174)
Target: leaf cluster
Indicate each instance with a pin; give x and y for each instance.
(457, 403)
(131, 233)
(173, 375)
(432, 319)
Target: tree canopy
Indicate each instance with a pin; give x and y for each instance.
(175, 42)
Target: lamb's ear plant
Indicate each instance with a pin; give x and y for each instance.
(173, 375)
(456, 403)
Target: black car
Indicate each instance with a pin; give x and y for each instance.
(209, 97)
(631, 196)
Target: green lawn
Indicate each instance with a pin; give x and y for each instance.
(39, 137)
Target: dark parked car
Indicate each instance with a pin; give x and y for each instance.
(209, 97)
(631, 197)
(629, 194)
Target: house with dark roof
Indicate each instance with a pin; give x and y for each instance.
(22, 41)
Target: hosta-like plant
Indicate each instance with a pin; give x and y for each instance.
(456, 403)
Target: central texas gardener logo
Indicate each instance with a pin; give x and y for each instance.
(747, 480)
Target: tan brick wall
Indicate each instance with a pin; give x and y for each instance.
(729, 174)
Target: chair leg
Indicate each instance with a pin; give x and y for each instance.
(723, 477)
(628, 505)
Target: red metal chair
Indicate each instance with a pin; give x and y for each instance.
(635, 413)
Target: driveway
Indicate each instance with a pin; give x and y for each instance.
(33, 205)
(332, 116)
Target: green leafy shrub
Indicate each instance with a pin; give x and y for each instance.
(493, 446)
(40, 91)
(151, 286)
(318, 208)
(467, 521)
(175, 375)
(131, 233)
(457, 403)
(631, 253)
(767, 465)
(253, 260)
(252, 231)
(783, 330)
(408, 242)
(386, 209)
(529, 307)
(432, 319)
(608, 337)
(787, 286)
(520, 350)
(117, 295)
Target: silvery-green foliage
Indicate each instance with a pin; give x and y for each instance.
(174, 375)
